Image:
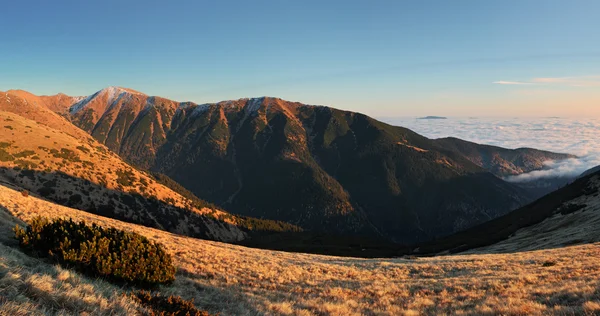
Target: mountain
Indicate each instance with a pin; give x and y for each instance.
(507, 163)
(42, 109)
(317, 167)
(432, 118)
(501, 161)
(82, 173)
(568, 216)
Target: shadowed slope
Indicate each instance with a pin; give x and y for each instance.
(570, 215)
(317, 167)
(85, 175)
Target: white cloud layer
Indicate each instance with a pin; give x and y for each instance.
(580, 137)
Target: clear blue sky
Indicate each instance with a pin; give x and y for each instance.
(385, 58)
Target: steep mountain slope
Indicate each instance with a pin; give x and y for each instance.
(590, 171)
(317, 167)
(570, 215)
(85, 175)
(126, 121)
(507, 163)
(501, 161)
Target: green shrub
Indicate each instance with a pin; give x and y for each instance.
(65, 154)
(25, 164)
(83, 148)
(104, 252)
(25, 153)
(167, 306)
(125, 177)
(5, 156)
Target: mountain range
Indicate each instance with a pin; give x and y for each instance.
(316, 167)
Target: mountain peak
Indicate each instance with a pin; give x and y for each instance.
(109, 95)
(115, 90)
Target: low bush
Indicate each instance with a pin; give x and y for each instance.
(167, 306)
(24, 153)
(5, 155)
(83, 148)
(103, 252)
(125, 177)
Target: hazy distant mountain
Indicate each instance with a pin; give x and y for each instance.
(508, 162)
(501, 161)
(321, 168)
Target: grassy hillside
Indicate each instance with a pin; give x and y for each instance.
(566, 217)
(86, 175)
(29, 286)
(234, 280)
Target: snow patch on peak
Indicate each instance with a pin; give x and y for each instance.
(114, 91)
(200, 108)
(186, 105)
(253, 105)
(82, 103)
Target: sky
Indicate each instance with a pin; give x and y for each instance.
(382, 58)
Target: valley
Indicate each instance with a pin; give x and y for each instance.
(315, 167)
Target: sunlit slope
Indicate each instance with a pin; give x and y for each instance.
(86, 175)
(41, 109)
(234, 280)
(31, 286)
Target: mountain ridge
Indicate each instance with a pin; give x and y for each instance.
(314, 166)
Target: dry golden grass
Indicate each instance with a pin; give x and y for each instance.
(40, 109)
(235, 280)
(559, 230)
(29, 286)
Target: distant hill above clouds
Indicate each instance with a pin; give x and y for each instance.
(432, 118)
(320, 168)
(501, 161)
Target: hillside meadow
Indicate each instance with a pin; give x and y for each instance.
(234, 280)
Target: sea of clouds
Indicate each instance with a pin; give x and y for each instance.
(580, 137)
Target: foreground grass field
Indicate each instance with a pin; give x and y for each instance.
(234, 280)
